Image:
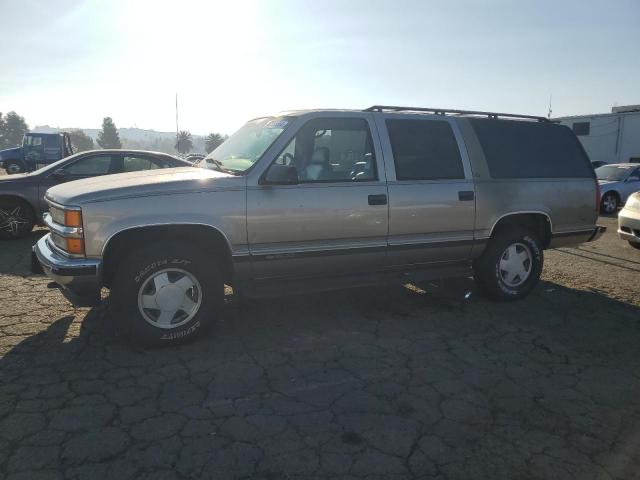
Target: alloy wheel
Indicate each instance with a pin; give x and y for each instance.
(169, 298)
(13, 219)
(515, 264)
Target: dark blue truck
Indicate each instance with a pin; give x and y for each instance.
(37, 150)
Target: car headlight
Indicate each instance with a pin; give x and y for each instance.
(633, 202)
(66, 229)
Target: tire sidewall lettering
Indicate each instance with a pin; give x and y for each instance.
(142, 274)
(181, 333)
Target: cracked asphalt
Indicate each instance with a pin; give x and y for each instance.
(417, 381)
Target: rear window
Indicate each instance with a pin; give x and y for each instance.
(516, 149)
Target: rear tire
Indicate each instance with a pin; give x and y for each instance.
(511, 265)
(16, 218)
(163, 294)
(634, 244)
(13, 167)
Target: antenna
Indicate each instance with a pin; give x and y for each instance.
(550, 98)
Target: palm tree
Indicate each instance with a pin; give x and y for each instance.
(184, 144)
(212, 142)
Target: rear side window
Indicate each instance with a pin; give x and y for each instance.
(516, 149)
(424, 150)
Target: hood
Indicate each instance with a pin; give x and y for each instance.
(142, 183)
(11, 153)
(13, 178)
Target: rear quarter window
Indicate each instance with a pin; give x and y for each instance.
(516, 149)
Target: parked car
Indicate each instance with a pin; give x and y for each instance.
(317, 200)
(38, 149)
(617, 182)
(597, 164)
(22, 196)
(629, 221)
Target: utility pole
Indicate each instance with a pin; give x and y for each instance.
(550, 98)
(177, 116)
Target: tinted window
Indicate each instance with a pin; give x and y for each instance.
(134, 164)
(516, 149)
(424, 150)
(581, 128)
(98, 165)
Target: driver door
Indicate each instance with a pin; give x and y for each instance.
(334, 219)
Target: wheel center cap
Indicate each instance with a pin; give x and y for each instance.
(169, 297)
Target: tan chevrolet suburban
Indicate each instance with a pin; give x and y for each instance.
(321, 199)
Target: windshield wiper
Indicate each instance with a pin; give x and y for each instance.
(220, 168)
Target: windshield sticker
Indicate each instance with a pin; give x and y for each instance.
(276, 124)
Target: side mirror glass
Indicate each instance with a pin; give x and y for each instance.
(60, 173)
(281, 175)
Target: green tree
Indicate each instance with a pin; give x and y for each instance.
(212, 142)
(80, 141)
(12, 129)
(2, 127)
(184, 143)
(108, 137)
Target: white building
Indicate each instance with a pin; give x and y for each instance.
(610, 137)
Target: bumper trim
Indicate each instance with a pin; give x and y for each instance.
(81, 276)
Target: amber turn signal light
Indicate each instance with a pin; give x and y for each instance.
(73, 218)
(75, 246)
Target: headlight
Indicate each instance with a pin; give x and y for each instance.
(66, 218)
(65, 225)
(633, 202)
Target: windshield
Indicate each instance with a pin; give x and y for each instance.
(612, 173)
(245, 147)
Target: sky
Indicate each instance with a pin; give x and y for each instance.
(69, 63)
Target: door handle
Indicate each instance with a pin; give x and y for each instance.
(378, 199)
(466, 195)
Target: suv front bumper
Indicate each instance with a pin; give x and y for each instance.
(79, 277)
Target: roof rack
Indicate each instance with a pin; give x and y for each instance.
(445, 111)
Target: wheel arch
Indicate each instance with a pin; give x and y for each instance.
(207, 237)
(540, 222)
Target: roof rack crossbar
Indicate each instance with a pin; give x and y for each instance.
(445, 111)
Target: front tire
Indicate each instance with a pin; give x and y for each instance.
(163, 294)
(16, 219)
(511, 265)
(609, 203)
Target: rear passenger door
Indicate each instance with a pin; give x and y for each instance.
(431, 191)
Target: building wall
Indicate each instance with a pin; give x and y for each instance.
(613, 138)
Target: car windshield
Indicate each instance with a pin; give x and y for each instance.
(245, 147)
(613, 172)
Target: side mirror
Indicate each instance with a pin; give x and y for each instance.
(60, 173)
(281, 175)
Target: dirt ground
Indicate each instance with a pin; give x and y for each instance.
(422, 381)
